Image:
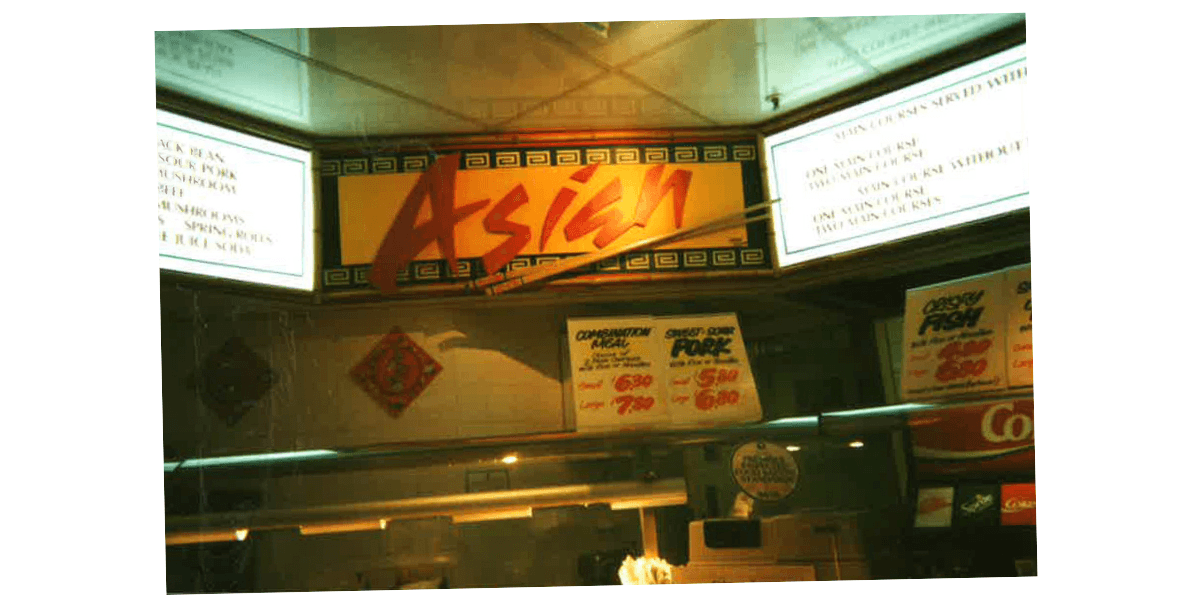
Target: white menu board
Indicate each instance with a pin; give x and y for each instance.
(948, 150)
(616, 374)
(1019, 325)
(233, 206)
(707, 376)
(954, 337)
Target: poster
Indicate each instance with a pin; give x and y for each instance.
(764, 471)
(1019, 325)
(1018, 504)
(707, 375)
(954, 338)
(933, 507)
(616, 374)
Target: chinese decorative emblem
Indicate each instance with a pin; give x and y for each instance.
(395, 372)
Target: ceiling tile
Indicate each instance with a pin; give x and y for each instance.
(610, 103)
(713, 72)
(342, 107)
(803, 63)
(450, 65)
(891, 42)
(627, 40)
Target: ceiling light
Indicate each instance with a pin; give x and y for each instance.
(856, 444)
(492, 515)
(344, 527)
(670, 499)
(511, 459)
(793, 448)
(176, 539)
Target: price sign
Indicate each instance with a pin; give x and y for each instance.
(954, 338)
(1019, 325)
(708, 380)
(616, 374)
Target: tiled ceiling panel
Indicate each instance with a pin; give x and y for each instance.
(612, 102)
(713, 72)
(432, 80)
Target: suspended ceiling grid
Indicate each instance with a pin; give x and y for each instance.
(486, 79)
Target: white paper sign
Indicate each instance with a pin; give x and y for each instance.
(707, 375)
(1019, 326)
(954, 337)
(616, 374)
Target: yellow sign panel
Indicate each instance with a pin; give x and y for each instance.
(368, 206)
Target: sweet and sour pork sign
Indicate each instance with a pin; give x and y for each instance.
(492, 216)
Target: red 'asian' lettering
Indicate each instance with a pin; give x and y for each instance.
(405, 239)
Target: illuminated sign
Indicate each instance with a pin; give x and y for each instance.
(426, 219)
(233, 206)
(946, 151)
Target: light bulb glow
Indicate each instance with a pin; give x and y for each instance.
(509, 460)
(793, 448)
(856, 444)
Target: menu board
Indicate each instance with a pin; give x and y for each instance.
(233, 206)
(707, 375)
(616, 373)
(1019, 325)
(954, 337)
(948, 150)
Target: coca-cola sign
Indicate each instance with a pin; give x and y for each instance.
(984, 438)
(1019, 504)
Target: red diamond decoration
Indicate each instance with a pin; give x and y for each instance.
(395, 371)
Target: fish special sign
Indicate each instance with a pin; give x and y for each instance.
(470, 214)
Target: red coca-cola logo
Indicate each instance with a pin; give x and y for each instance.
(1015, 505)
(1018, 504)
(989, 438)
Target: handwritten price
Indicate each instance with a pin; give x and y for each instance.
(952, 368)
(958, 370)
(626, 383)
(706, 399)
(710, 377)
(631, 403)
(959, 350)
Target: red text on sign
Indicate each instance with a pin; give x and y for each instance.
(631, 403)
(405, 238)
(707, 399)
(625, 383)
(711, 377)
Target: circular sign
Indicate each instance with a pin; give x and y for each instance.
(764, 471)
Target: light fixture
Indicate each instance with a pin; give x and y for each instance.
(193, 463)
(492, 515)
(793, 448)
(344, 527)
(212, 537)
(651, 501)
(856, 444)
(510, 459)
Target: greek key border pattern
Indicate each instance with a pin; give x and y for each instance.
(547, 157)
(422, 272)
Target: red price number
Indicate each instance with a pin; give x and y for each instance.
(627, 404)
(954, 369)
(707, 399)
(712, 377)
(963, 350)
(625, 383)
